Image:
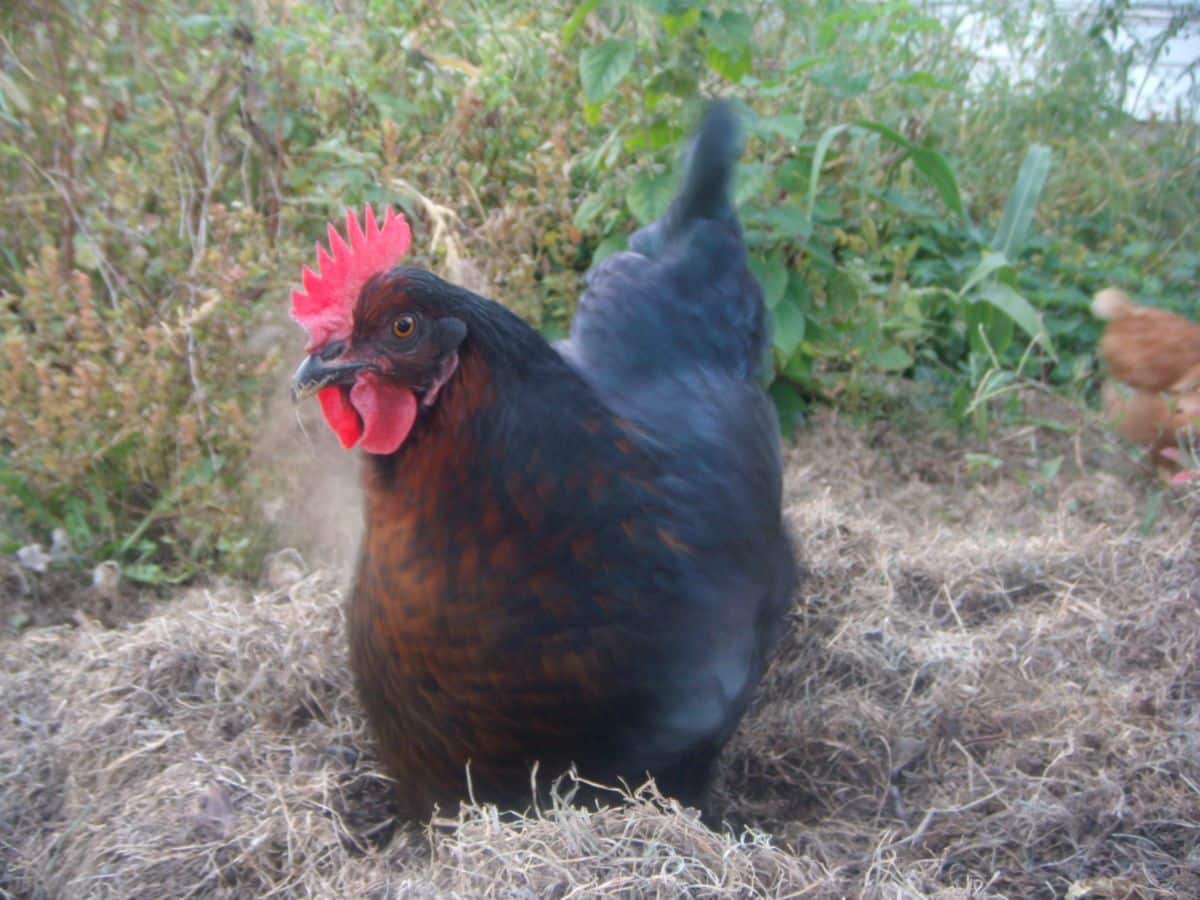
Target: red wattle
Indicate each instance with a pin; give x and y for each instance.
(335, 403)
(387, 412)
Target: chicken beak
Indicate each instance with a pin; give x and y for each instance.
(318, 371)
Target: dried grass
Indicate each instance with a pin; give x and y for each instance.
(992, 688)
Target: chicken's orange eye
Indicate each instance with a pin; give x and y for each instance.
(404, 326)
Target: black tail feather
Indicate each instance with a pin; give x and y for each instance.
(705, 191)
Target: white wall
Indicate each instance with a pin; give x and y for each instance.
(1154, 91)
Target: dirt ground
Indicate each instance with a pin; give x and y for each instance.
(991, 688)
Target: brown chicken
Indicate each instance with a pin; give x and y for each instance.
(1153, 358)
(574, 554)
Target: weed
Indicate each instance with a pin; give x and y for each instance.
(910, 215)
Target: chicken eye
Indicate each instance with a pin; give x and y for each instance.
(404, 326)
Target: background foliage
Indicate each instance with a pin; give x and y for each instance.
(917, 222)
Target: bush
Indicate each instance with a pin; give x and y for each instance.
(170, 168)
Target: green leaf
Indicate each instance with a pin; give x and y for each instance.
(989, 330)
(677, 81)
(788, 323)
(787, 220)
(649, 196)
(674, 25)
(1150, 512)
(577, 19)
(928, 162)
(32, 503)
(12, 93)
(805, 63)
(841, 81)
(823, 143)
(733, 66)
(799, 368)
(1013, 230)
(86, 254)
(614, 243)
(590, 207)
(1018, 309)
(602, 67)
(772, 274)
(750, 181)
(152, 573)
(663, 134)
(731, 52)
(885, 131)
(925, 80)
(891, 359)
(733, 32)
(934, 166)
(977, 461)
(911, 206)
(202, 26)
(788, 126)
(988, 264)
(789, 405)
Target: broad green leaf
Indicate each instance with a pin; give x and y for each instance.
(677, 81)
(751, 179)
(554, 331)
(1013, 230)
(602, 67)
(799, 367)
(614, 243)
(989, 263)
(577, 19)
(788, 323)
(591, 206)
(934, 166)
(789, 405)
(786, 125)
(674, 25)
(1017, 308)
(891, 359)
(989, 330)
(733, 32)
(772, 274)
(649, 196)
(788, 220)
(928, 162)
(907, 204)
(885, 131)
(731, 65)
(144, 573)
(87, 255)
(660, 135)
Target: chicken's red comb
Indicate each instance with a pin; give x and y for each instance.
(326, 305)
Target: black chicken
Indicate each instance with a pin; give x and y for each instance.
(574, 555)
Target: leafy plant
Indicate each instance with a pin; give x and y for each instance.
(169, 166)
